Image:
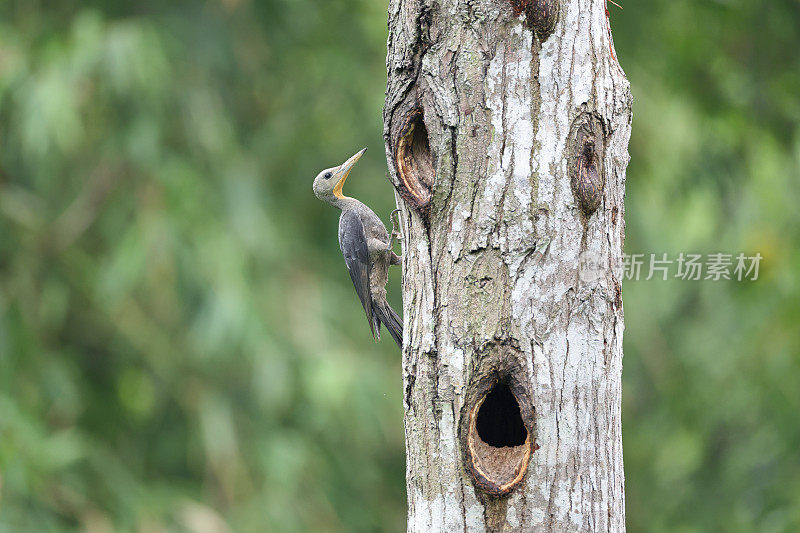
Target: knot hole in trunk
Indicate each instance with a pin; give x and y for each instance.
(498, 430)
(585, 160)
(540, 15)
(414, 161)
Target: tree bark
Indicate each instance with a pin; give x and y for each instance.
(507, 125)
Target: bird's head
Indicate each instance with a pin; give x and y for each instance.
(328, 183)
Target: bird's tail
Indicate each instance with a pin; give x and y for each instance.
(386, 315)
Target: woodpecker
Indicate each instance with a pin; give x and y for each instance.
(366, 246)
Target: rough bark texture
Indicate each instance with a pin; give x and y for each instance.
(507, 134)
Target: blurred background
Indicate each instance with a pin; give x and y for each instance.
(180, 346)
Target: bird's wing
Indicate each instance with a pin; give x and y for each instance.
(353, 242)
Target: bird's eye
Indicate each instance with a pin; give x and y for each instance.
(328, 175)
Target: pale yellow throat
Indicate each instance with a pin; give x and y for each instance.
(337, 191)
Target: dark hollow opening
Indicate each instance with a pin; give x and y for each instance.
(499, 422)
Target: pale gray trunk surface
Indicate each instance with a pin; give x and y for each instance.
(512, 238)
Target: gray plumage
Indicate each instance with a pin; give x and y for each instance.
(366, 247)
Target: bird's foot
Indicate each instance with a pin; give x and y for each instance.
(395, 228)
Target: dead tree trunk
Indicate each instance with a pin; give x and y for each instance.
(507, 126)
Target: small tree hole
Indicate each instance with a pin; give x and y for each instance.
(414, 161)
(499, 423)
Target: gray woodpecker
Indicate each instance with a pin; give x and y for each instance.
(366, 246)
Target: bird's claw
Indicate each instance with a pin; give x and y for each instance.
(395, 234)
(395, 224)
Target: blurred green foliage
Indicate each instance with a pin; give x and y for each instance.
(711, 385)
(179, 341)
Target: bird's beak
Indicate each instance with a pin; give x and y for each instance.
(344, 170)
